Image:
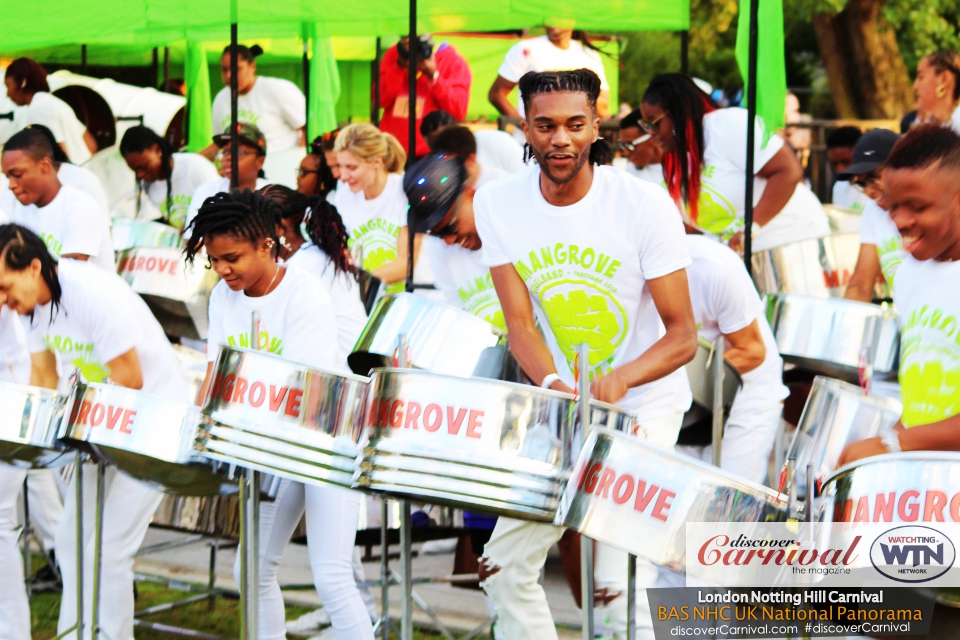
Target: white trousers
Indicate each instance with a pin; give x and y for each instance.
(14, 608)
(45, 504)
(331, 514)
(127, 510)
(746, 447)
(520, 549)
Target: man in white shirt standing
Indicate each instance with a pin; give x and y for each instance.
(640, 149)
(583, 254)
(70, 221)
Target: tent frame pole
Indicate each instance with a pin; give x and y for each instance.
(375, 78)
(412, 123)
(751, 136)
(234, 95)
(306, 88)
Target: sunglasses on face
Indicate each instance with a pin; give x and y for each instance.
(630, 147)
(651, 126)
(863, 182)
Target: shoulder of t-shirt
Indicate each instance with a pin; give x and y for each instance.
(80, 199)
(276, 84)
(509, 184)
(302, 280)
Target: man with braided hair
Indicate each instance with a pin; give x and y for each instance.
(588, 254)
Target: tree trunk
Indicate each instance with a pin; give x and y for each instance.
(867, 75)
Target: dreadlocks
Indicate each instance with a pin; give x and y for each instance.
(325, 180)
(142, 138)
(19, 247)
(686, 105)
(242, 214)
(578, 81)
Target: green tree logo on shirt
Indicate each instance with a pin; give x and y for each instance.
(80, 356)
(378, 238)
(930, 366)
(715, 214)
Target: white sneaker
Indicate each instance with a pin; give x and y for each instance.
(309, 621)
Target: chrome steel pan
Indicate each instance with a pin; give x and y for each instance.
(208, 515)
(127, 233)
(29, 422)
(146, 437)
(700, 373)
(280, 417)
(819, 267)
(440, 338)
(836, 414)
(178, 294)
(483, 445)
(829, 335)
(638, 497)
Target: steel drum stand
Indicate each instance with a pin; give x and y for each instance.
(249, 498)
(78, 496)
(586, 544)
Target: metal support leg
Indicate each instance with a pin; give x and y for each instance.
(384, 569)
(212, 578)
(252, 551)
(27, 569)
(631, 597)
(717, 400)
(406, 562)
(78, 496)
(586, 585)
(98, 548)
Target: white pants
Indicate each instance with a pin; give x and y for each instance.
(331, 514)
(127, 510)
(45, 504)
(14, 608)
(520, 548)
(746, 446)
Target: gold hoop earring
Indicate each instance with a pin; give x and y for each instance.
(941, 90)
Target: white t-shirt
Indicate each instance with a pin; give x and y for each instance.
(296, 321)
(539, 54)
(498, 150)
(99, 319)
(208, 190)
(14, 356)
(848, 197)
(343, 289)
(722, 185)
(586, 267)
(374, 224)
(878, 229)
(190, 170)
(927, 298)
(465, 281)
(56, 115)
(275, 106)
(72, 222)
(650, 173)
(725, 301)
(71, 175)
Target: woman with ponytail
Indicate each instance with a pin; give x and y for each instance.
(372, 202)
(704, 166)
(169, 179)
(80, 317)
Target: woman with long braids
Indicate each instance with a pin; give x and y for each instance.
(315, 176)
(324, 255)
(238, 232)
(704, 166)
(169, 179)
(85, 318)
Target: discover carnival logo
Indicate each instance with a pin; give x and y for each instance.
(912, 554)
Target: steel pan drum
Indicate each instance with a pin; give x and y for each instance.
(177, 293)
(700, 373)
(836, 414)
(208, 515)
(488, 446)
(29, 423)
(828, 336)
(148, 438)
(127, 234)
(280, 417)
(440, 338)
(638, 497)
(819, 267)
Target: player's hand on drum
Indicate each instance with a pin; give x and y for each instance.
(861, 449)
(609, 388)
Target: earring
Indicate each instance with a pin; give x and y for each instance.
(269, 243)
(527, 152)
(941, 90)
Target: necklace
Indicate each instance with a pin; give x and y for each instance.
(270, 286)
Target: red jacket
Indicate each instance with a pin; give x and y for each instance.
(450, 92)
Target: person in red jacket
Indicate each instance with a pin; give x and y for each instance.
(443, 82)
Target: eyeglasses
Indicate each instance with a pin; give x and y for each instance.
(650, 126)
(451, 228)
(303, 173)
(630, 147)
(243, 152)
(862, 182)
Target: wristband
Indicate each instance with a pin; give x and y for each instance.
(891, 441)
(548, 380)
(436, 74)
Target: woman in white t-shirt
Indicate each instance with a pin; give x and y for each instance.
(558, 50)
(372, 203)
(704, 166)
(276, 106)
(238, 232)
(88, 319)
(169, 178)
(27, 86)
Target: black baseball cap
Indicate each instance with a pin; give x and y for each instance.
(432, 185)
(249, 134)
(871, 151)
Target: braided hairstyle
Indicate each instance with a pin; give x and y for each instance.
(686, 105)
(19, 247)
(577, 81)
(142, 138)
(325, 180)
(243, 214)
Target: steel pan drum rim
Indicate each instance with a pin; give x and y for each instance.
(277, 471)
(534, 484)
(246, 425)
(883, 402)
(904, 456)
(110, 387)
(510, 494)
(502, 509)
(369, 455)
(428, 302)
(697, 464)
(526, 388)
(885, 312)
(326, 372)
(214, 440)
(29, 388)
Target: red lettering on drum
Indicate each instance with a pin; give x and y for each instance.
(276, 397)
(217, 384)
(473, 423)
(151, 264)
(293, 403)
(884, 507)
(908, 511)
(413, 412)
(644, 497)
(592, 476)
(97, 414)
(663, 504)
(396, 414)
(240, 390)
(113, 417)
(933, 506)
(379, 412)
(228, 386)
(606, 479)
(863, 510)
(434, 423)
(623, 488)
(955, 508)
(83, 413)
(127, 422)
(453, 425)
(258, 393)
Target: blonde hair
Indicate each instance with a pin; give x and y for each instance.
(368, 143)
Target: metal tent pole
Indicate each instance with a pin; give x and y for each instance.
(685, 52)
(234, 95)
(751, 136)
(406, 534)
(27, 530)
(306, 87)
(717, 399)
(166, 69)
(411, 122)
(375, 77)
(586, 544)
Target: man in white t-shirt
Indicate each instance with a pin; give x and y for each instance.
(583, 254)
(640, 149)
(555, 51)
(495, 149)
(70, 221)
(840, 144)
